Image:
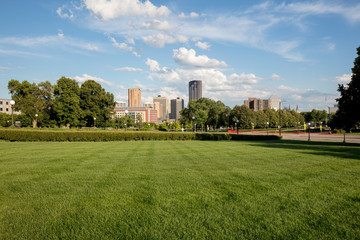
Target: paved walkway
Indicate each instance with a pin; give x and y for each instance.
(313, 136)
(323, 137)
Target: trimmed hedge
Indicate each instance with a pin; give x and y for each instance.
(234, 137)
(103, 136)
(88, 136)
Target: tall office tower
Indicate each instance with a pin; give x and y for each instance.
(164, 105)
(195, 90)
(176, 106)
(134, 95)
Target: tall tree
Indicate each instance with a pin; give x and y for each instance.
(244, 114)
(32, 99)
(95, 102)
(67, 102)
(207, 112)
(348, 114)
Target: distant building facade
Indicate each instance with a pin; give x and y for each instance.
(275, 102)
(120, 104)
(260, 104)
(134, 97)
(163, 105)
(176, 106)
(195, 90)
(333, 109)
(147, 114)
(5, 107)
(149, 105)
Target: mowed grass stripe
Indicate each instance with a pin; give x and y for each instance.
(179, 189)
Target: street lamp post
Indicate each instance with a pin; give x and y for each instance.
(228, 117)
(267, 128)
(309, 131)
(36, 115)
(193, 118)
(94, 122)
(12, 103)
(280, 118)
(237, 126)
(126, 113)
(252, 127)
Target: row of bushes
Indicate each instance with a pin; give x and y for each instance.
(72, 136)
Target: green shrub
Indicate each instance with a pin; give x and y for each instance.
(103, 136)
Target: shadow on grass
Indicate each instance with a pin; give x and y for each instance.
(341, 150)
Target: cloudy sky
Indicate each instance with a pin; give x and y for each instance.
(298, 50)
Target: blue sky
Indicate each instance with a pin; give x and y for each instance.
(298, 50)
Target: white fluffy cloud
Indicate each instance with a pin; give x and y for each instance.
(245, 78)
(153, 65)
(275, 77)
(203, 45)
(159, 40)
(128, 69)
(85, 77)
(343, 79)
(110, 9)
(62, 14)
(191, 15)
(187, 57)
(124, 46)
(158, 25)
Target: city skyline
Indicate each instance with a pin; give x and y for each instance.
(296, 50)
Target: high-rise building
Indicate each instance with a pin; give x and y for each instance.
(164, 107)
(176, 106)
(134, 96)
(195, 90)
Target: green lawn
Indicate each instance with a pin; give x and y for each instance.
(179, 190)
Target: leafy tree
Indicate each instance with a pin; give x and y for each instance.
(138, 120)
(5, 120)
(260, 119)
(207, 112)
(32, 99)
(348, 114)
(244, 114)
(95, 102)
(315, 116)
(162, 126)
(66, 106)
(272, 117)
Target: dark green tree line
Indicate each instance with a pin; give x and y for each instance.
(62, 104)
(348, 115)
(215, 114)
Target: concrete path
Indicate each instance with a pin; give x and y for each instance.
(323, 137)
(313, 136)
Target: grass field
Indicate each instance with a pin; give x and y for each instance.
(179, 190)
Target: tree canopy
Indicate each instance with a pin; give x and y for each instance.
(348, 114)
(62, 104)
